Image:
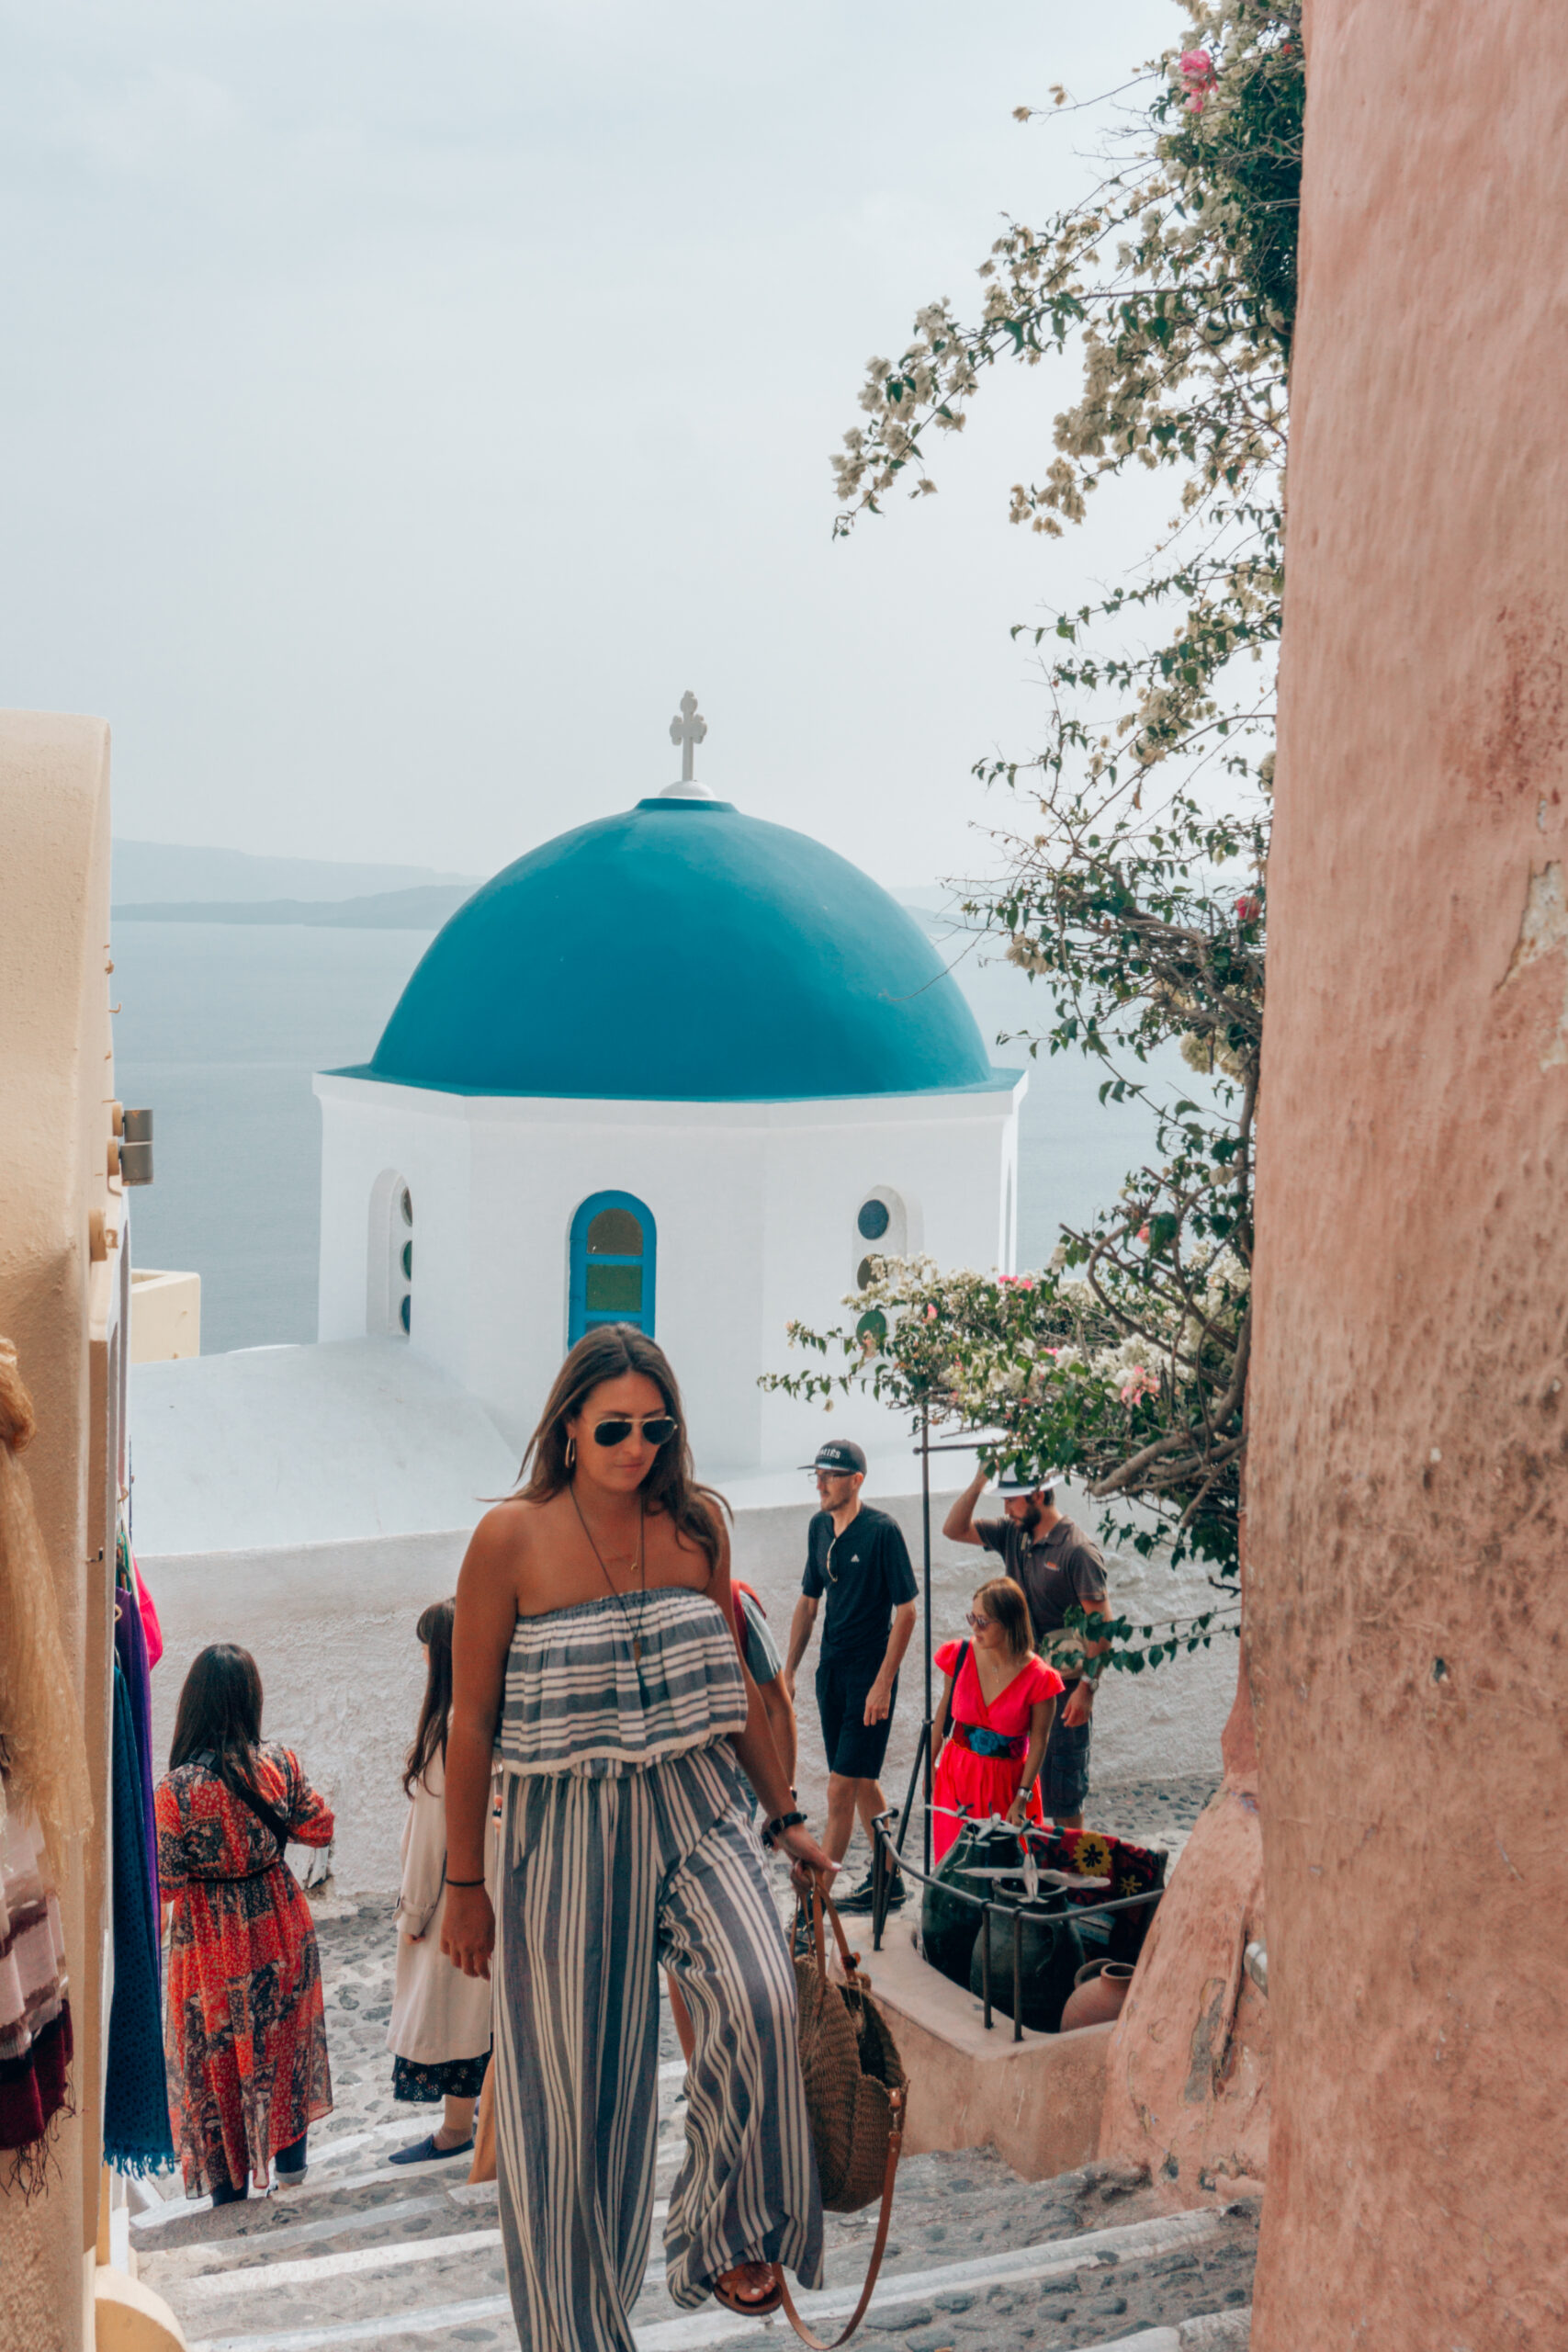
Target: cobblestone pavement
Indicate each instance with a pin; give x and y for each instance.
(979, 2260)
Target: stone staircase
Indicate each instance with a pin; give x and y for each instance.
(364, 2253)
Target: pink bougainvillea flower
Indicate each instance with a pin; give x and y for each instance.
(1197, 71)
(931, 1315)
(1250, 908)
(1143, 1233)
(1138, 1384)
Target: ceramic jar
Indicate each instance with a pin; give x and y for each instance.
(1098, 1990)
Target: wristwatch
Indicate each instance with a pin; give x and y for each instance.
(772, 1830)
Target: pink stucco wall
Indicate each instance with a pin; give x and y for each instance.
(1408, 1476)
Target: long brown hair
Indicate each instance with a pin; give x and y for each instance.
(434, 1629)
(1006, 1602)
(607, 1352)
(218, 1721)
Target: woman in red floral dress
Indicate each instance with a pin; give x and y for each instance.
(246, 2034)
(997, 1704)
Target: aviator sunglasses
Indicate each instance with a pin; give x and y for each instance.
(658, 1428)
(978, 1623)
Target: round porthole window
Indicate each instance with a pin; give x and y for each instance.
(862, 1274)
(873, 1220)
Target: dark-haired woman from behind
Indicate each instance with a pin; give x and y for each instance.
(439, 2033)
(246, 2035)
(595, 1631)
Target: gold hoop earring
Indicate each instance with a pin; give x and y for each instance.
(571, 1453)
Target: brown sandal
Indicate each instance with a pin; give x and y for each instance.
(749, 2306)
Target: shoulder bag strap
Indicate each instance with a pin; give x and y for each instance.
(883, 2224)
(269, 1817)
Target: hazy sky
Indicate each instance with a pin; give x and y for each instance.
(405, 400)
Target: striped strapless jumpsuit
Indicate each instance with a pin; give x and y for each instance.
(626, 1847)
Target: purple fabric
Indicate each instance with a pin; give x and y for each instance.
(130, 1648)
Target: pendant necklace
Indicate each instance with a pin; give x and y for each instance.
(617, 1597)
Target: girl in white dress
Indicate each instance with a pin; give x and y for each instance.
(439, 2033)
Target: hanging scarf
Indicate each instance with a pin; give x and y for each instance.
(135, 2098)
(35, 2015)
(130, 1649)
(41, 1745)
(150, 1624)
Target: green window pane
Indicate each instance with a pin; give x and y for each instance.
(615, 1290)
(614, 1232)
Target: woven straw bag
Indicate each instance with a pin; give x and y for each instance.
(856, 2093)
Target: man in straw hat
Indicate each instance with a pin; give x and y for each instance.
(1058, 1568)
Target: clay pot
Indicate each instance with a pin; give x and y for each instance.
(1098, 1990)
(1050, 1955)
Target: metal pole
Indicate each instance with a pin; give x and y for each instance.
(1018, 1977)
(986, 1961)
(878, 1884)
(921, 1748)
(926, 1630)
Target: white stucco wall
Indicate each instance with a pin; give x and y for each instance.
(754, 1206)
(332, 1628)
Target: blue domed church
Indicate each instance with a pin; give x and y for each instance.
(679, 1067)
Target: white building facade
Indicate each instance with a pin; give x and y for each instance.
(746, 1216)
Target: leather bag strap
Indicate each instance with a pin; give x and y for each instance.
(820, 1908)
(883, 2224)
(267, 1814)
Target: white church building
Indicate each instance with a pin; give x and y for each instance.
(679, 1068)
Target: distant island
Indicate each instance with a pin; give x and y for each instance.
(426, 908)
(176, 882)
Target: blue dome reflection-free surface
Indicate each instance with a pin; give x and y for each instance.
(683, 952)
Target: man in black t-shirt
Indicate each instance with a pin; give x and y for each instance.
(1058, 1566)
(857, 1557)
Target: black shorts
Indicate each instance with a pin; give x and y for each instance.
(855, 1747)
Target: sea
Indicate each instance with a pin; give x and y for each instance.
(219, 1026)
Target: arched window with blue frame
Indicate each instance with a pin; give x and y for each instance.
(614, 1249)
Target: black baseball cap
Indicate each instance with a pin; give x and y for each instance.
(840, 1455)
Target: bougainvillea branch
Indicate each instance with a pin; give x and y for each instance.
(1135, 888)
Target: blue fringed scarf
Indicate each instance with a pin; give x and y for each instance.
(136, 2100)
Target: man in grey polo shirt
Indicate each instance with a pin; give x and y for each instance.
(1058, 1566)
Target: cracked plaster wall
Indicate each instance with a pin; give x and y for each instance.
(1408, 1471)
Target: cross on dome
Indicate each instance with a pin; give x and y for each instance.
(688, 728)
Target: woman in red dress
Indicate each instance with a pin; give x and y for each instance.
(998, 1700)
(246, 2033)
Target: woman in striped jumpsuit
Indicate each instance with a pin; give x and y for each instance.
(595, 1646)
